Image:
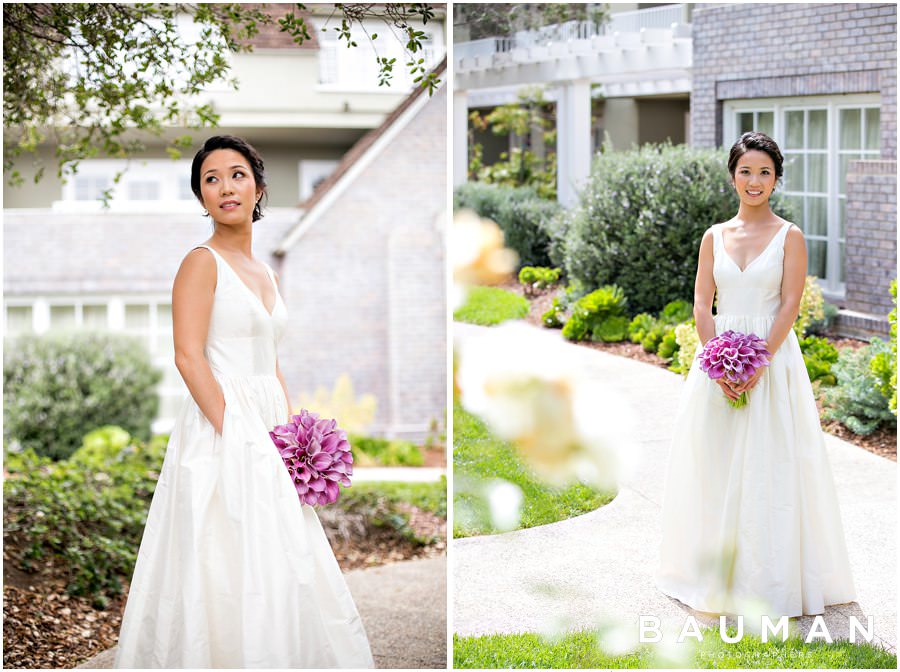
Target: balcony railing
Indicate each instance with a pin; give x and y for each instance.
(621, 22)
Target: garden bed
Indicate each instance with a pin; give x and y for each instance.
(46, 628)
(882, 442)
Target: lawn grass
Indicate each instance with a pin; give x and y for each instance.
(489, 305)
(579, 650)
(426, 496)
(480, 456)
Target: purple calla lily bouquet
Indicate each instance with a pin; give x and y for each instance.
(736, 357)
(317, 456)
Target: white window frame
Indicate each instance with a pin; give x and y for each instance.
(311, 171)
(115, 323)
(833, 289)
(352, 66)
(168, 173)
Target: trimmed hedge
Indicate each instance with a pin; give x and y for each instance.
(57, 388)
(640, 219)
(518, 211)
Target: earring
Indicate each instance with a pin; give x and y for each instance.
(205, 212)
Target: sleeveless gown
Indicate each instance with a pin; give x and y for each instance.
(750, 513)
(233, 571)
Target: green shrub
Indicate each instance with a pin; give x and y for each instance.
(518, 211)
(819, 354)
(58, 387)
(591, 310)
(668, 346)
(821, 327)
(554, 317)
(611, 330)
(884, 364)
(385, 452)
(812, 307)
(639, 326)
(676, 312)
(84, 514)
(857, 401)
(640, 219)
(688, 343)
(538, 277)
(654, 337)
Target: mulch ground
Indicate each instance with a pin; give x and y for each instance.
(882, 442)
(43, 627)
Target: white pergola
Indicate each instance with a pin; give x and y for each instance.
(625, 64)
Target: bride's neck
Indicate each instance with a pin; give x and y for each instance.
(755, 214)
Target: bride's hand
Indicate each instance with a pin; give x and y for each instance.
(751, 382)
(728, 388)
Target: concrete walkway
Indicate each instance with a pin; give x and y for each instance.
(403, 606)
(578, 572)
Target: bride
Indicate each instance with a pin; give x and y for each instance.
(750, 516)
(233, 571)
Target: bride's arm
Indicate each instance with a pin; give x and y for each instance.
(792, 281)
(705, 290)
(192, 300)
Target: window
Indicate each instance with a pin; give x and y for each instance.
(343, 69)
(146, 183)
(312, 173)
(819, 136)
(19, 320)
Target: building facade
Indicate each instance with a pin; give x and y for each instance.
(70, 264)
(822, 80)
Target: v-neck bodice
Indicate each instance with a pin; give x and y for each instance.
(755, 290)
(242, 333)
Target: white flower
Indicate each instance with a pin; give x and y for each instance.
(529, 388)
(477, 254)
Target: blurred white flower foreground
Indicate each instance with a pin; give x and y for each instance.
(530, 390)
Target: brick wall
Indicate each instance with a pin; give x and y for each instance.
(772, 50)
(871, 235)
(365, 283)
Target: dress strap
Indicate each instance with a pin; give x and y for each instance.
(783, 233)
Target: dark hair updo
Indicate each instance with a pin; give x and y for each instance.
(242, 147)
(759, 141)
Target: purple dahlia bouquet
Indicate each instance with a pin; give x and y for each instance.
(736, 357)
(317, 455)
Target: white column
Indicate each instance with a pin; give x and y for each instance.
(460, 137)
(573, 137)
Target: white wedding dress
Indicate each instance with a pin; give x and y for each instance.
(233, 571)
(750, 514)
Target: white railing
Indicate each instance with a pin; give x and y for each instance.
(654, 17)
(622, 22)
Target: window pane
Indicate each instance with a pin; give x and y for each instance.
(817, 251)
(766, 123)
(817, 132)
(850, 129)
(817, 173)
(873, 128)
(843, 167)
(816, 215)
(18, 320)
(93, 316)
(62, 317)
(89, 188)
(143, 190)
(794, 129)
(745, 122)
(137, 317)
(795, 210)
(793, 172)
(164, 315)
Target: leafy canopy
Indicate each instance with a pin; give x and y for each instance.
(89, 78)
